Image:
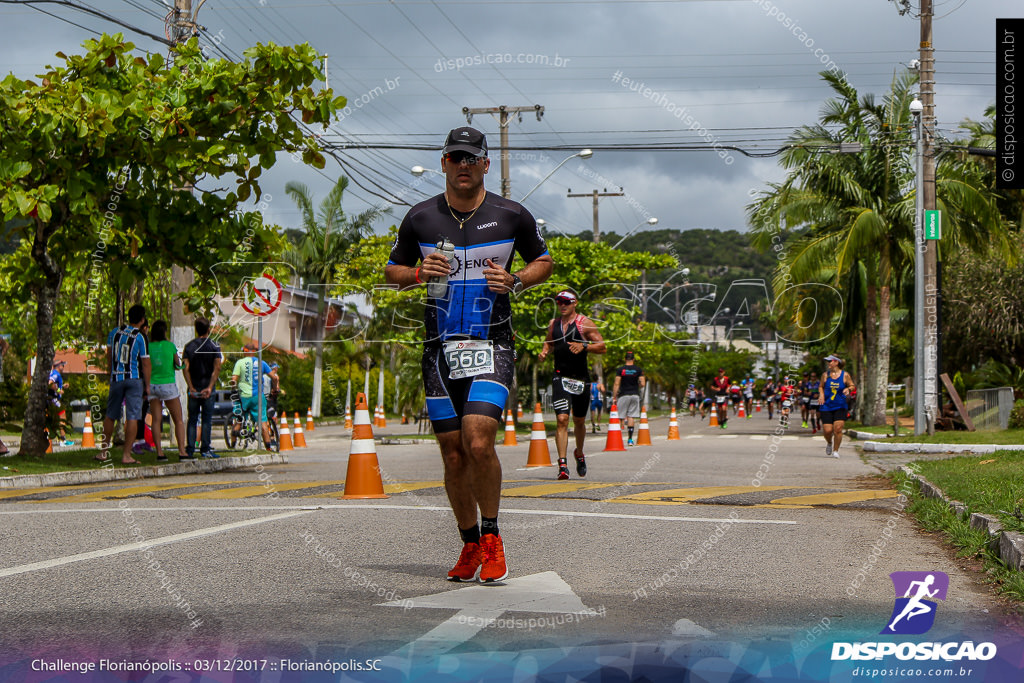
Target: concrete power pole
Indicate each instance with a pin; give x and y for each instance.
(503, 112)
(931, 289)
(595, 194)
(180, 25)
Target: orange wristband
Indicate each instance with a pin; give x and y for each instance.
(418, 280)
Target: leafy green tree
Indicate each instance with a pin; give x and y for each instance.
(847, 220)
(100, 154)
(327, 240)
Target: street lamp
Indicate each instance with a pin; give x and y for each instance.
(650, 221)
(582, 154)
(920, 425)
(419, 170)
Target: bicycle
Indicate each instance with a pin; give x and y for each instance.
(248, 437)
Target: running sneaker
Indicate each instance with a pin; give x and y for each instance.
(835, 453)
(804, 424)
(208, 454)
(581, 463)
(137, 448)
(630, 442)
(468, 565)
(493, 551)
(67, 442)
(828, 449)
(563, 470)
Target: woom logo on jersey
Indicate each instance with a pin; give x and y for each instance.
(913, 613)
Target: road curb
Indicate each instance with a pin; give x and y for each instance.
(981, 449)
(1009, 545)
(103, 474)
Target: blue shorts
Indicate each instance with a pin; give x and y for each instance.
(128, 392)
(248, 404)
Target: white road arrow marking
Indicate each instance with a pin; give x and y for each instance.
(544, 593)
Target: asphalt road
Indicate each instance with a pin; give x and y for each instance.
(680, 543)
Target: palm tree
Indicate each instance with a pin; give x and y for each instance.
(328, 235)
(848, 219)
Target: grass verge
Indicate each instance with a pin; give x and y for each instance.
(1001, 437)
(935, 515)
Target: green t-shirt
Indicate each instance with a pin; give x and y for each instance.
(161, 355)
(245, 370)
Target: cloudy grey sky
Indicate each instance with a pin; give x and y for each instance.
(739, 72)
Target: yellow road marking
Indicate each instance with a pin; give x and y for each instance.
(547, 489)
(109, 494)
(837, 498)
(252, 491)
(686, 495)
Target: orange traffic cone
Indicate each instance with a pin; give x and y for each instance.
(88, 439)
(519, 413)
(49, 442)
(286, 437)
(757, 406)
(362, 479)
(348, 418)
(714, 415)
(539, 455)
(643, 436)
(309, 420)
(298, 438)
(510, 430)
(614, 442)
(383, 419)
(673, 425)
(405, 418)
(742, 412)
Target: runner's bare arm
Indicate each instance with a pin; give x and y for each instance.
(548, 342)
(596, 341)
(433, 265)
(533, 273)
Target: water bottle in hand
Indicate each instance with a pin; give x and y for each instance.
(437, 286)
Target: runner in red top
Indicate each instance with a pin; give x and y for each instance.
(720, 388)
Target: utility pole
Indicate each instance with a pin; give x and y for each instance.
(180, 25)
(503, 112)
(931, 290)
(595, 194)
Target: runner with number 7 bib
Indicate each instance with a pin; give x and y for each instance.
(571, 336)
(468, 357)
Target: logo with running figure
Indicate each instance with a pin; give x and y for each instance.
(916, 592)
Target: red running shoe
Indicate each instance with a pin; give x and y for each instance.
(563, 470)
(494, 567)
(468, 565)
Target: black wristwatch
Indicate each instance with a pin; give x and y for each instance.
(517, 284)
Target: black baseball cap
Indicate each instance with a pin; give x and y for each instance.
(630, 355)
(466, 139)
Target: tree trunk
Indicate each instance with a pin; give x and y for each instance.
(876, 407)
(867, 395)
(33, 439)
(318, 363)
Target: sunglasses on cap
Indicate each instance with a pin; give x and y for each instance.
(563, 301)
(457, 158)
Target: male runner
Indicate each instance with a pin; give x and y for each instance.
(748, 395)
(804, 390)
(629, 385)
(691, 399)
(720, 388)
(769, 396)
(571, 336)
(468, 351)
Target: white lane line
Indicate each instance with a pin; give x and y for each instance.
(427, 508)
(141, 545)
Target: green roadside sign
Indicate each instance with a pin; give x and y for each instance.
(933, 225)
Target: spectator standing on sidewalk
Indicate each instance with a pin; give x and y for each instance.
(163, 389)
(128, 356)
(202, 366)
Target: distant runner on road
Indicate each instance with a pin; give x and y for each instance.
(571, 336)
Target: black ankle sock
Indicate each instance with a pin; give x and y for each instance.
(630, 430)
(489, 525)
(470, 535)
